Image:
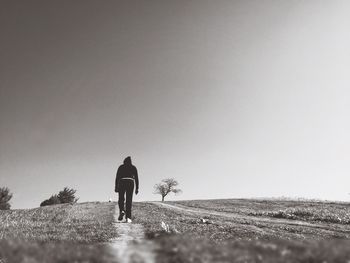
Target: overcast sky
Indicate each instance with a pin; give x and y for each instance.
(232, 98)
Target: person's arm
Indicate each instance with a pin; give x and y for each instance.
(117, 178)
(136, 182)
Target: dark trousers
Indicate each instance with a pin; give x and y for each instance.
(126, 188)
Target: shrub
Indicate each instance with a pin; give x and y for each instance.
(5, 197)
(53, 200)
(67, 196)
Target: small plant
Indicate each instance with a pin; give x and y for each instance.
(5, 197)
(167, 186)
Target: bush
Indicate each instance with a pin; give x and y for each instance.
(5, 197)
(53, 200)
(66, 196)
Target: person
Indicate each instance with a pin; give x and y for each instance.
(125, 181)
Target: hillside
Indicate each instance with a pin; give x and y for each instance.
(59, 233)
(229, 230)
(248, 230)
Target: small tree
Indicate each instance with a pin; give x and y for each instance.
(67, 196)
(167, 186)
(53, 200)
(5, 197)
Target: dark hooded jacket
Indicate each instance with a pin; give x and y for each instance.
(127, 170)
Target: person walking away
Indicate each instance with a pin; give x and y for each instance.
(125, 181)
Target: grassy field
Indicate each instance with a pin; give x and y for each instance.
(59, 233)
(232, 230)
(239, 237)
(317, 211)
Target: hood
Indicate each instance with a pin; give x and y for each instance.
(127, 160)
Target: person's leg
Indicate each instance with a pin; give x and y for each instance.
(129, 193)
(121, 192)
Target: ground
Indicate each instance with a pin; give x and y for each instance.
(248, 230)
(59, 233)
(232, 230)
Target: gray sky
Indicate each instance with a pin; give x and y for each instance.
(232, 98)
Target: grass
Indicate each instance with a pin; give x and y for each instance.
(310, 214)
(18, 251)
(183, 223)
(312, 211)
(251, 206)
(59, 233)
(77, 233)
(243, 239)
(192, 248)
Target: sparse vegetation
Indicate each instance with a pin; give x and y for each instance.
(166, 187)
(5, 197)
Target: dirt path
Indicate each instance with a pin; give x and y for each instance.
(131, 246)
(328, 229)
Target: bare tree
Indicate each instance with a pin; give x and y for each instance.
(167, 186)
(5, 197)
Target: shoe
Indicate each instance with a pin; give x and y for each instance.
(128, 220)
(121, 215)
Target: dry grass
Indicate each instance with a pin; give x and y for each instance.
(151, 216)
(191, 248)
(325, 214)
(17, 251)
(329, 212)
(59, 233)
(241, 240)
(306, 209)
(75, 233)
(86, 222)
